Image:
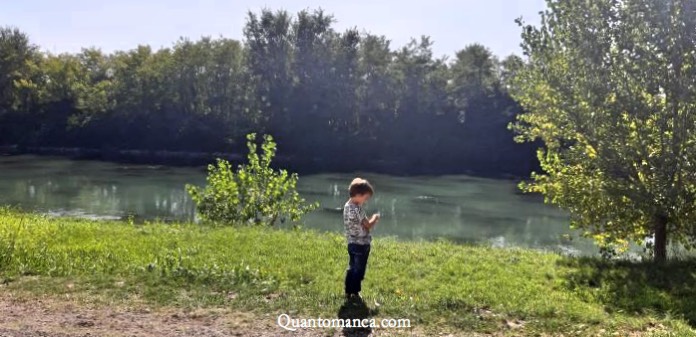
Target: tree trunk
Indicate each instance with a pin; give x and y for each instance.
(660, 244)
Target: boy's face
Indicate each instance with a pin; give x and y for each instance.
(362, 198)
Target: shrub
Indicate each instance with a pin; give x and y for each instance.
(254, 194)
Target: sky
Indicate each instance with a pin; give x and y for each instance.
(70, 25)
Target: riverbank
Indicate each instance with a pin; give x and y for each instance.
(301, 165)
(440, 287)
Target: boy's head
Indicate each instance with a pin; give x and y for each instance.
(360, 190)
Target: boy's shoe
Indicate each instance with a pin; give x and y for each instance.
(354, 299)
(353, 296)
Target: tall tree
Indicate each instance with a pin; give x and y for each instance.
(18, 63)
(421, 82)
(311, 105)
(610, 88)
(19, 79)
(269, 56)
(473, 76)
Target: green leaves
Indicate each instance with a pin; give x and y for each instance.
(254, 194)
(608, 89)
(18, 70)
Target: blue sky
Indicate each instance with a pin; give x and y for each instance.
(69, 25)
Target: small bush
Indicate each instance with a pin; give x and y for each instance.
(255, 194)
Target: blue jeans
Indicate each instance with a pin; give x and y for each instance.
(357, 264)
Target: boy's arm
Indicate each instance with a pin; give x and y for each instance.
(369, 223)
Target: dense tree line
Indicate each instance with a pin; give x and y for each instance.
(333, 100)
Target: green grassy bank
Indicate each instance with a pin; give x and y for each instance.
(439, 286)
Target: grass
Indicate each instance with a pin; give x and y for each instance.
(440, 286)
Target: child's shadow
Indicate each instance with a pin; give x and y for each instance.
(355, 309)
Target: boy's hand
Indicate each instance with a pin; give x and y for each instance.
(374, 220)
(368, 224)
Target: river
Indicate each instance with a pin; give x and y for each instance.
(459, 208)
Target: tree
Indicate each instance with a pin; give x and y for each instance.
(376, 93)
(311, 103)
(609, 89)
(474, 75)
(18, 64)
(254, 194)
(269, 51)
(509, 67)
(19, 82)
(421, 88)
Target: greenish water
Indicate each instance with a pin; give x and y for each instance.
(458, 208)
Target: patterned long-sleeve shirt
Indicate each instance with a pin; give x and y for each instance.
(353, 216)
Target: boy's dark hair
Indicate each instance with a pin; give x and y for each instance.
(360, 186)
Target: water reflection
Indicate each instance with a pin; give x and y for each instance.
(66, 187)
(458, 208)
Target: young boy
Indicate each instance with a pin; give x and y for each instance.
(358, 228)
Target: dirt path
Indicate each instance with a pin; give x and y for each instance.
(58, 318)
